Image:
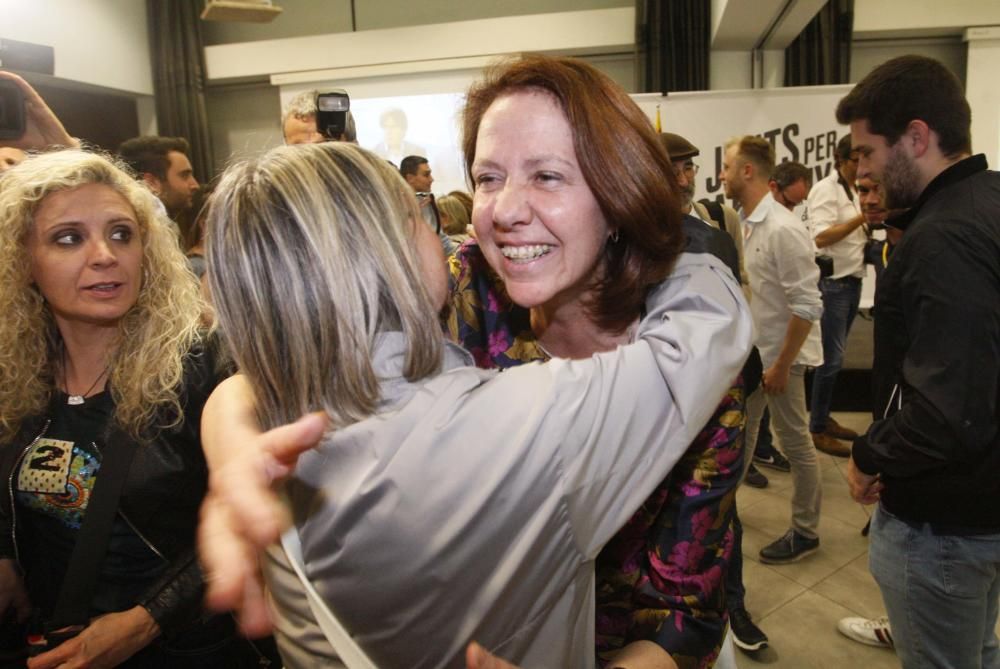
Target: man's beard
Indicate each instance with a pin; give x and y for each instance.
(687, 197)
(901, 180)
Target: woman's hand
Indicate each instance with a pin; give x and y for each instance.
(477, 657)
(107, 642)
(642, 655)
(636, 655)
(12, 592)
(241, 514)
(42, 127)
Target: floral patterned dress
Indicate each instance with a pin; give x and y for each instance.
(662, 577)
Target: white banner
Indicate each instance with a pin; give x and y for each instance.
(799, 122)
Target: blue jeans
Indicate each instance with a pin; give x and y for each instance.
(840, 305)
(765, 442)
(941, 593)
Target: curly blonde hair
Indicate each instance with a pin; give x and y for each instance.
(146, 364)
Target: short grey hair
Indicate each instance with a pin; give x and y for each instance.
(303, 106)
(311, 258)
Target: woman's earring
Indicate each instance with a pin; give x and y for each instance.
(614, 236)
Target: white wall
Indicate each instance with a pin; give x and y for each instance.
(923, 17)
(98, 42)
(314, 17)
(982, 91)
(730, 70)
(867, 54)
(418, 60)
(408, 48)
(244, 121)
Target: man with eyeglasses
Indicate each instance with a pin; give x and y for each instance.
(836, 221)
(790, 183)
(682, 155)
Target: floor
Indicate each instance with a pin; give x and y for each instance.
(798, 605)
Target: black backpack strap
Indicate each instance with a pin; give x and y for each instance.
(715, 212)
(77, 590)
(699, 237)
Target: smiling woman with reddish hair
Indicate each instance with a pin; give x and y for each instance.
(577, 215)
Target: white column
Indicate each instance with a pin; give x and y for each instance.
(729, 70)
(774, 68)
(982, 91)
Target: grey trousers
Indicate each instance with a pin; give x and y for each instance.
(790, 424)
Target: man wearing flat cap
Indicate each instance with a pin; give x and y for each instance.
(682, 154)
(746, 634)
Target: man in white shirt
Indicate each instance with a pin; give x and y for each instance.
(836, 222)
(785, 307)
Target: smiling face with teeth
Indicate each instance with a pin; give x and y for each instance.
(537, 221)
(86, 256)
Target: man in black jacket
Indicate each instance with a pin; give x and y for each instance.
(931, 458)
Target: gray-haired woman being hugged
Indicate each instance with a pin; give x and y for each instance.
(104, 370)
(420, 528)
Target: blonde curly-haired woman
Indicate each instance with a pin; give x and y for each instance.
(101, 352)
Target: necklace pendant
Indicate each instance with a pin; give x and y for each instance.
(74, 400)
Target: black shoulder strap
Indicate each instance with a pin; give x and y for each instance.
(715, 211)
(77, 590)
(700, 237)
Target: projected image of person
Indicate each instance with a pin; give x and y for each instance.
(394, 146)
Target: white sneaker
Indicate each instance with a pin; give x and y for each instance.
(869, 631)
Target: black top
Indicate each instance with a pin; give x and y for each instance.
(68, 458)
(936, 374)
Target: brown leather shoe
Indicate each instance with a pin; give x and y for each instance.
(824, 443)
(838, 431)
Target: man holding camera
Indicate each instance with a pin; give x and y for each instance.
(300, 124)
(836, 219)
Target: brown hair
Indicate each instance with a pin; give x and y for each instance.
(148, 153)
(464, 198)
(623, 162)
(757, 151)
(786, 173)
(908, 88)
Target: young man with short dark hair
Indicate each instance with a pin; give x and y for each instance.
(163, 164)
(417, 173)
(931, 458)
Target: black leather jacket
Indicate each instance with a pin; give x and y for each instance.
(164, 489)
(935, 439)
